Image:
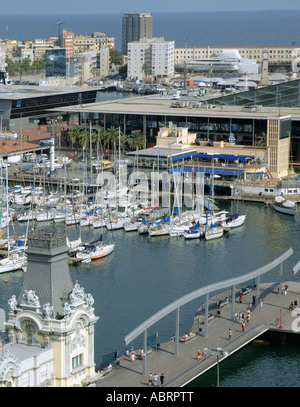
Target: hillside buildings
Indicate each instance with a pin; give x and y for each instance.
(135, 26)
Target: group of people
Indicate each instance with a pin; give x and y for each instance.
(242, 318)
(187, 336)
(293, 305)
(153, 379)
(133, 355)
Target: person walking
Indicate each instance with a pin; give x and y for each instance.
(229, 333)
(243, 326)
(162, 379)
(199, 354)
(155, 377)
(132, 356)
(241, 298)
(150, 381)
(235, 317)
(261, 302)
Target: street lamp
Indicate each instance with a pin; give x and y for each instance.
(220, 353)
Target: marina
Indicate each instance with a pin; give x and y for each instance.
(181, 246)
(177, 265)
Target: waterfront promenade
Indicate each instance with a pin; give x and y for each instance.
(179, 370)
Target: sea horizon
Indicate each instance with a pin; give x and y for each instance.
(209, 28)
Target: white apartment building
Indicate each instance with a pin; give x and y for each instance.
(150, 57)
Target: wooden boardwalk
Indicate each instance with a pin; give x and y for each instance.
(181, 369)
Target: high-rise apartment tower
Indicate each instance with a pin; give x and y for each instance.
(135, 26)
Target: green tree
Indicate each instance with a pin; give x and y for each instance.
(24, 66)
(115, 57)
(145, 68)
(11, 67)
(101, 139)
(261, 140)
(112, 136)
(136, 140)
(75, 135)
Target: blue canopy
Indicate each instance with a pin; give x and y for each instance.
(207, 170)
(180, 156)
(231, 157)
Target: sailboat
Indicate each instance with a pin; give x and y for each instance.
(234, 220)
(85, 253)
(215, 231)
(15, 260)
(284, 205)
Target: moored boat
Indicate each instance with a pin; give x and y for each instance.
(234, 221)
(214, 233)
(285, 206)
(13, 262)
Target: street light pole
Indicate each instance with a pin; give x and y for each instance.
(218, 371)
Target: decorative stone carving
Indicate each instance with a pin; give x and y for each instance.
(12, 302)
(48, 310)
(67, 310)
(9, 366)
(89, 299)
(77, 295)
(30, 298)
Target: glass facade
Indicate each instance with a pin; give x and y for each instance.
(285, 94)
(56, 63)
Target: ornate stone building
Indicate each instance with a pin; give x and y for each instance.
(51, 324)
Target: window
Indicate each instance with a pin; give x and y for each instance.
(77, 361)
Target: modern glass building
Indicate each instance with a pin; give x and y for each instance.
(285, 94)
(56, 63)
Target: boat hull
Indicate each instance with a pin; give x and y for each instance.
(284, 210)
(239, 221)
(214, 233)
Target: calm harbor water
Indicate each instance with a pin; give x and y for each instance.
(144, 274)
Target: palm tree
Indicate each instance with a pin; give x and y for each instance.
(123, 140)
(101, 139)
(75, 135)
(112, 136)
(261, 140)
(136, 140)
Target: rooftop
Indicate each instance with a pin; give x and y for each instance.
(157, 105)
(17, 92)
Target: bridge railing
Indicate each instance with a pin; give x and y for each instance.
(204, 291)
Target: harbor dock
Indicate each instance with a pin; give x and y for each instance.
(179, 370)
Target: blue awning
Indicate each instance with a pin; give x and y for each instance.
(181, 156)
(231, 157)
(207, 170)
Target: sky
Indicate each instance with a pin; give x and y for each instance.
(63, 7)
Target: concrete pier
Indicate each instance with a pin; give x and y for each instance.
(180, 369)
